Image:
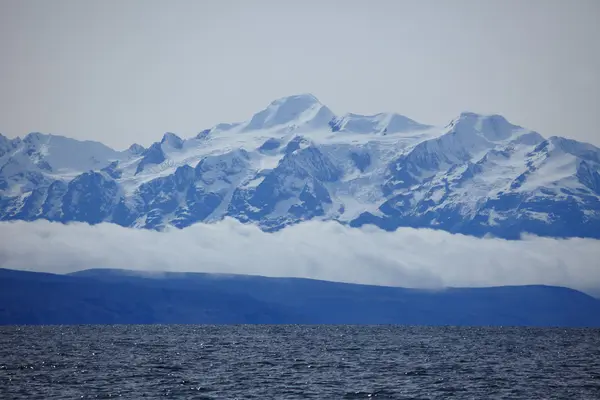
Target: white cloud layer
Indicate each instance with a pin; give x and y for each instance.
(321, 250)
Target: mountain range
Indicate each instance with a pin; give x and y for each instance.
(296, 160)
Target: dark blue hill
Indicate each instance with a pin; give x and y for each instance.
(126, 297)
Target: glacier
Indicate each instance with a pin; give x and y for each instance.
(297, 160)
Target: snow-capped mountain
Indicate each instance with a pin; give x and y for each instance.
(296, 160)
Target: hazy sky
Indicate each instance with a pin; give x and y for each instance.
(127, 71)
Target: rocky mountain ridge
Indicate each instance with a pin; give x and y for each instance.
(296, 160)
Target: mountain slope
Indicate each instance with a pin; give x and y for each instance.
(126, 297)
(295, 160)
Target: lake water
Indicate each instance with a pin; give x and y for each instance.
(298, 362)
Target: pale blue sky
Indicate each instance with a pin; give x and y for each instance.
(123, 71)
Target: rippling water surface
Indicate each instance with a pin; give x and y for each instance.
(295, 362)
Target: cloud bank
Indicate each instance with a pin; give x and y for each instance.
(420, 258)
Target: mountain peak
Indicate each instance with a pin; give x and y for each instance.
(34, 137)
(5, 144)
(579, 149)
(469, 114)
(136, 149)
(379, 123)
(172, 140)
(473, 117)
(295, 110)
(492, 127)
(300, 98)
